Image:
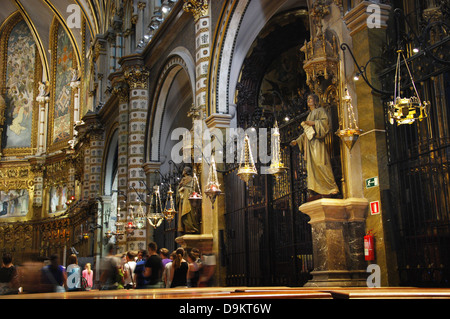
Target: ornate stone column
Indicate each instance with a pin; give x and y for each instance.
(43, 100)
(137, 78)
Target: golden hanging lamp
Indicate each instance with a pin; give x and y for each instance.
(155, 217)
(247, 168)
(351, 132)
(405, 110)
(169, 209)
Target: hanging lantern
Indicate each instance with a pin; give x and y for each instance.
(212, 189)
(276, 167)
(155, 217)
(350, 133)
(139, 220)
(70, 200)
(169, 209)
(405, 110)
(247, 168)
(130, 226)
(118, 224)
(195, 199)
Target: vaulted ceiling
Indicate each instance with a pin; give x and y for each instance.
(39, 15)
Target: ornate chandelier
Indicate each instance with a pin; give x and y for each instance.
(405, 110)
(247, 168)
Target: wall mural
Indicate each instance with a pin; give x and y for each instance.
(14, 203)
(63, 91)
(21, 55)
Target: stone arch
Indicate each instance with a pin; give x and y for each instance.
(168, 110)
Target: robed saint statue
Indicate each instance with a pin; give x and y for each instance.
(320, 178)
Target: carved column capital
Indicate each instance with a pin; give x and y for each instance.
(137, 77)
(198, 8)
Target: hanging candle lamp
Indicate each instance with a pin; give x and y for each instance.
(155, 217)
(130, 226)
(139, 219)
(247, 168)
(350, 132)
(195, 199)
(276, 167)
(212, 189)
(405, 110)
(169, 209)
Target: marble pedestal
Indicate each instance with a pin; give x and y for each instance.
(338, 229)
(194, 241)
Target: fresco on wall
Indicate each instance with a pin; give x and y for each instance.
(63, 91)
(58, 199)
(14, 203)
(20, 86)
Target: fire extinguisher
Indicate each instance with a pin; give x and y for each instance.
(369, 252)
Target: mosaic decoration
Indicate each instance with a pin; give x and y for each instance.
(63, 91)
(14, 203)
(21, 55)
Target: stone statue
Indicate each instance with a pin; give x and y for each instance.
(187, 217)
(320, 179)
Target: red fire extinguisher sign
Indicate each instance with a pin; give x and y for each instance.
(374, 208)
(369, 252)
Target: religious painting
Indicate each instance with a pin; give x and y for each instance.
(58, 199)
(20, 83)
(63, 67)
(14, 203)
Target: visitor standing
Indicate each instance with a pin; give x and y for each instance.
(88, 275)
(128, 270)
(153, 267)
(179, 270)
(9, 282)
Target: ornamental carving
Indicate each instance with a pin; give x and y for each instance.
(137, 77)
(198, 8)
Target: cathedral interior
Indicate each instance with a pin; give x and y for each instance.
(126, 122)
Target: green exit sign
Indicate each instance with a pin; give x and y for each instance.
(371, 182)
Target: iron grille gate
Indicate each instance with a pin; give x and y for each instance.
(268, 240)
(419, 153)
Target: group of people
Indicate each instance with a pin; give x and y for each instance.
(155, 268)
(46, 275)
(152, 268)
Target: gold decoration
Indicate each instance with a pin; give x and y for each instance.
(350, 133)
(247, 168)
(405, 110)
(137, 77)
(155, 217)
(198, 8)
(169, 209)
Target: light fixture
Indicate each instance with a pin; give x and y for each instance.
(405, 110)
(195, 199)
(139, 219)
(155, 217)
(247, 168)
(169, 209)
(212, 187)
(276, 167)
(356, 77)
(350, 132)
